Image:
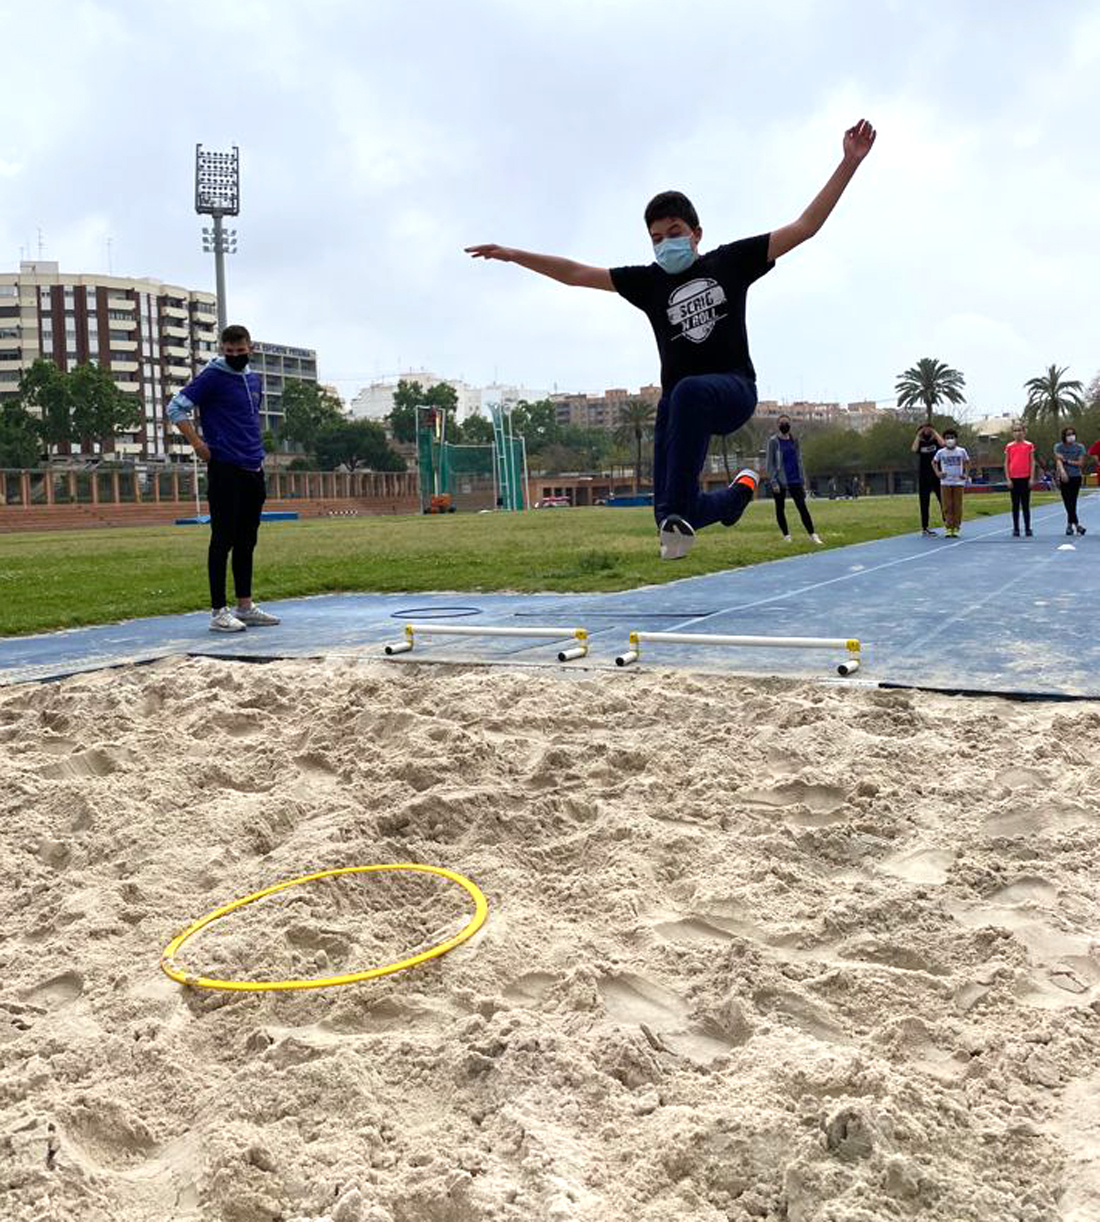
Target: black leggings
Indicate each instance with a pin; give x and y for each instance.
(798, 495)
(1021, 499)
(1069, 491)
(236, 497)
(926, 490)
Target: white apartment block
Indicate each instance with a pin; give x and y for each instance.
(375, 402)
(152, 337)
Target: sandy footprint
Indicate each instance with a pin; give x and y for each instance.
(920, 865)
(634, 999)
(530, 989)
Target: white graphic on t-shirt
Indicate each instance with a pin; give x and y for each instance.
(693, 307)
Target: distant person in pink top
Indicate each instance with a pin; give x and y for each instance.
(1020, 472)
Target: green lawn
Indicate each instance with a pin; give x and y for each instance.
(64, 579)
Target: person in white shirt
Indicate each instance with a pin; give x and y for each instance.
(952, 465)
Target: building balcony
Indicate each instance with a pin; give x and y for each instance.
(9, 345)
(175, 311)
(129, 388)
(178, 373)
(180, 351)
(124, 345)
(121, 303)
(121, 324)
(174, 332)
(123, 366)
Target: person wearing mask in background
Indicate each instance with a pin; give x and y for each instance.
(228, 394)
(786, 475)
(952, 466)
(1069, 463)
(925, 445)
(1020, 473)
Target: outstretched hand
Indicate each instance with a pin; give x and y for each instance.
(858, 141)
(490, 250)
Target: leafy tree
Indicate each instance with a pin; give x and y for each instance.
(45, 392)
(356, 443)
(19, 441)
(1050, 397)
(99, 408)
(477, 430)
(636, 419)
(929, 383)
(537, 422)
(307, 409)
(410, 395)
(832, 450)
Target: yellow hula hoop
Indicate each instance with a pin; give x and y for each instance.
(481, 911)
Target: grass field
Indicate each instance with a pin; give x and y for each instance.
(65, 579)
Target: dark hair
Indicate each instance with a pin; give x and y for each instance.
(951, 433)
(236, 334)
(671, 205)
(1070, 428)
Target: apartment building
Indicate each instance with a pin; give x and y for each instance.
(278, 364)
(152, 337)
(600, 411)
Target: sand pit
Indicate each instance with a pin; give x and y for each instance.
(755, 950)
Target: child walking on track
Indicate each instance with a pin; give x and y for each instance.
(695, 304)
(787, 477)
(952, 466)
(227, 394)
(1020, 471)
(1069, 460)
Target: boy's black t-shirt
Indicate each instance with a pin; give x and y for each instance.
(698, 315)
(926, 451)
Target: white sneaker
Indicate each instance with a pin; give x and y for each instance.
(787, 539)
(255, 618)
(818, 539)
(225, 621)
(676, 536)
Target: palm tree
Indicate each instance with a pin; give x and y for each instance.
(636, 418)
(1049, 397)
(927, 384)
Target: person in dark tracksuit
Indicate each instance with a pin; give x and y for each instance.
(787, 477)
(227, 395)
(925, 445)
(695, 303)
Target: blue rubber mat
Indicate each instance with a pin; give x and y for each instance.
(985, 613)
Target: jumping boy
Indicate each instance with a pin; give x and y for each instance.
(696, 306)
(227, 394)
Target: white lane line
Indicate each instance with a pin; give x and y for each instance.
(923, 554)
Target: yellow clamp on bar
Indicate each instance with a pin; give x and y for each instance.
(409, 633)
(853, 646)
(481, 911)
(581, 634)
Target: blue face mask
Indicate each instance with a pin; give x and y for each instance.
(674, 255)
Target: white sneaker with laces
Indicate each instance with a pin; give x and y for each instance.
(818, 539)
(255, 618)
(225, 621)
(676, 537)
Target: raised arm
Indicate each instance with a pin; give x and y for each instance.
(563, 270)
(858, 141)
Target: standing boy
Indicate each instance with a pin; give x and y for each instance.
(925, 445)
(952, 466)
(228, 394)
(696, 306)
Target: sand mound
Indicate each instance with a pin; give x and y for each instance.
(755, 951)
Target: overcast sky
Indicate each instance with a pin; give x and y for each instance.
(377, 139)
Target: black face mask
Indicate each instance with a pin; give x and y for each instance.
(237, 362)
(784, 428)
(926, 436)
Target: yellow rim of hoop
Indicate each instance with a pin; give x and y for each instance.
(481, 911)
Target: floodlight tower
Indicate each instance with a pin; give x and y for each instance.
(218, 194)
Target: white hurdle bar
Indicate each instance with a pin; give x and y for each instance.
(412, 631)
(848, 667)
